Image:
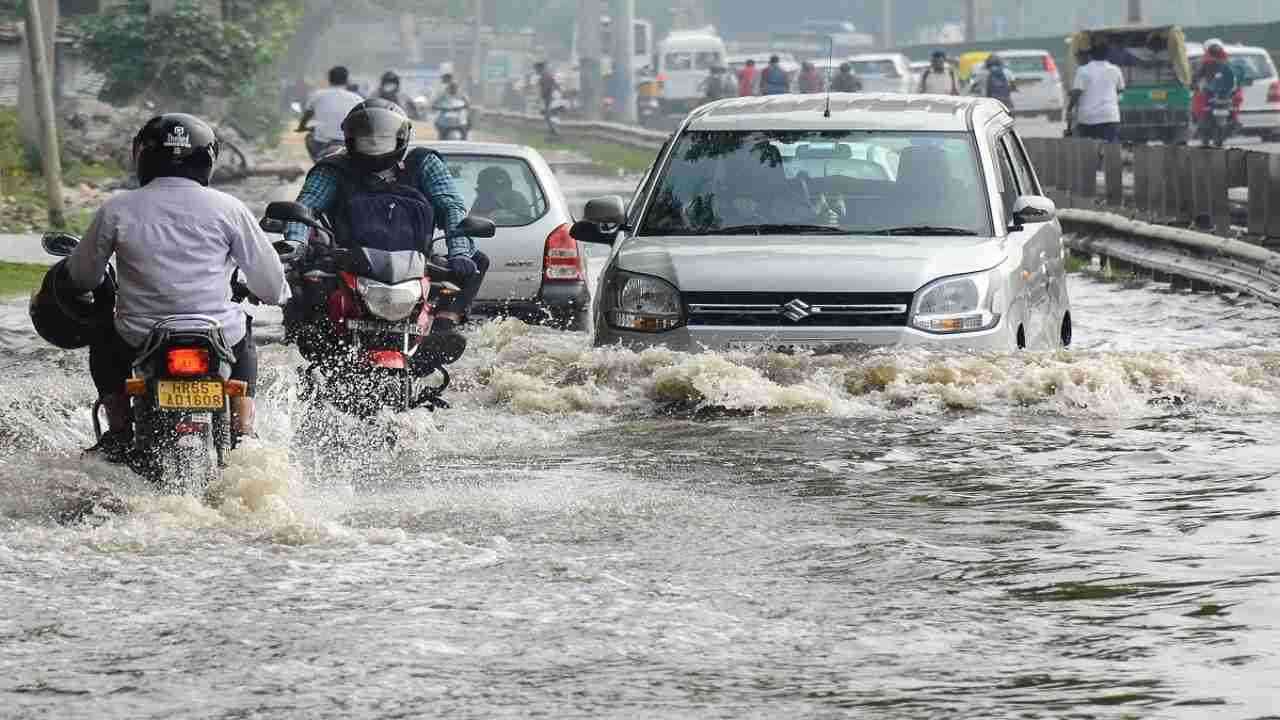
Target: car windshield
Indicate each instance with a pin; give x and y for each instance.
(502, 189)
(810, 182)
(874, 67)
(1025, 64)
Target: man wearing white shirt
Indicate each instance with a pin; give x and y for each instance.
(1095, 94)
(329, 107)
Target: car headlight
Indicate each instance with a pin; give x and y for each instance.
(965, 303)
(390, 302)
(643, 303)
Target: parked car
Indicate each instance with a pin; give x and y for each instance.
(897, 219)
(1039, 86)
(536, 270)
(1260, 111)
(885, 72)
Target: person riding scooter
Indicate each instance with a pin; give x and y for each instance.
(176, 244)
(453, 118)
(389, 90)
(350, 186)
(328, 107)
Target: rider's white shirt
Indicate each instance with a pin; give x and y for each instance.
(331, 107)
(1101, 83)
(176, 244)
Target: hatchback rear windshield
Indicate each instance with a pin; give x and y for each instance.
(503, 189)
(1025, 64)
(808, 182)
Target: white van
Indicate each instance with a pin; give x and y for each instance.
(685, 57)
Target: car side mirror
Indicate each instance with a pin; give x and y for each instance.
(607, 210)
(477, 227)
(287, 212)
(59, 244)
(589, 232)
(1031, 209)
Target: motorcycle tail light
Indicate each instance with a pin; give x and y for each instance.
(187, 362)
(562, 262)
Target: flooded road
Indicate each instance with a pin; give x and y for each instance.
(601, 533)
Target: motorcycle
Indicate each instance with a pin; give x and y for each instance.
(320, 149)
(1218, 121)
(180, 392)
(453, 119)
(366, 333)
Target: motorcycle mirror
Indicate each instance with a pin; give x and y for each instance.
(286, 211)
(477, 227)
(59, 244)
(272, 226)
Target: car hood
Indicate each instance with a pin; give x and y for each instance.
(784, 263)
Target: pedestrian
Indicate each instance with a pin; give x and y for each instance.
(548, 89)
(999, 82)
(810, 79)
(1095, 98)
(774, 80)
(846, 80)
(747, 79)
(939, 78)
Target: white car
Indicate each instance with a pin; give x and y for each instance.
(885, 72)
(1260, 111)
(1038, 84)
(874, 219)
(536, 270)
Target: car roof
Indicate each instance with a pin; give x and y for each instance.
(467, 147)
(854, 111)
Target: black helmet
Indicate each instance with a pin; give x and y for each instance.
(390, 77)
(378, 133)
(70, 318)
(175, 145)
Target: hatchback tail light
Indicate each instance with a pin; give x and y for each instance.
(1273, 92)
(562, 262)
(187, 362)
(1049, 65)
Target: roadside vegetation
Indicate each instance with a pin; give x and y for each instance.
(23, 205)
(17, 279)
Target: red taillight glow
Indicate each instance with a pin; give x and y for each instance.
(562, 262)
(187, 362)
(1049, 64)
(1273, 92)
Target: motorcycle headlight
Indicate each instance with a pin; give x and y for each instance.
(644, 304)
(966, 303)
(390, 302)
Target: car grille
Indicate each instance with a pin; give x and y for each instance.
(757, 309)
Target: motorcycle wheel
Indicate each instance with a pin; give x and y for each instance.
(185, 464)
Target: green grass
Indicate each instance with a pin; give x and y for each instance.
(19, 278)
(611, 155)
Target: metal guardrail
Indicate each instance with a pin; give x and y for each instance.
(627, 135)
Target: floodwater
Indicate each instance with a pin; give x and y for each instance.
(602, 533)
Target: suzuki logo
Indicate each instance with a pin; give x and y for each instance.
(797, 310)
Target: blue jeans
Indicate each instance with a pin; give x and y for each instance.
(1110, 132)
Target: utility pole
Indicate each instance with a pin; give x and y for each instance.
(50, 153)
(29, 122)
(1135, 12)
(970, 20)
(624, 50)
(476, 71)
(886, 15)
(590, 54)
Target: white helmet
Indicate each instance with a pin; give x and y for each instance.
(1213, 43)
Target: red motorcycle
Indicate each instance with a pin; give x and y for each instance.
(366, 332)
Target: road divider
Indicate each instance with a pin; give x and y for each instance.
(630, 136)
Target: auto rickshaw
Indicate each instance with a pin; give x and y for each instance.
(1156, 102)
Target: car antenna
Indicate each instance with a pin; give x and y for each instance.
(831, 59)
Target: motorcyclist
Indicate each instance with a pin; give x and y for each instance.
(846, 80)
(939, 78)
(389, 90)
(452, 100)
(377, 135)
(810, 80)
(176, 243)
(1215, 78)
(328, 107)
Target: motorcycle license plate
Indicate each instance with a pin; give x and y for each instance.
(398, 328)
(189, 395)
(1222, 113)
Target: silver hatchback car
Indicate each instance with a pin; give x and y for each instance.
(882, 219)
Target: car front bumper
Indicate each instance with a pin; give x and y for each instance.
(719, 338)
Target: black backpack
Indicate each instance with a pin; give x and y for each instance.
(388, 215)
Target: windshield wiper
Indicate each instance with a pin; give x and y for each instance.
(922, 230)
(777, 229)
